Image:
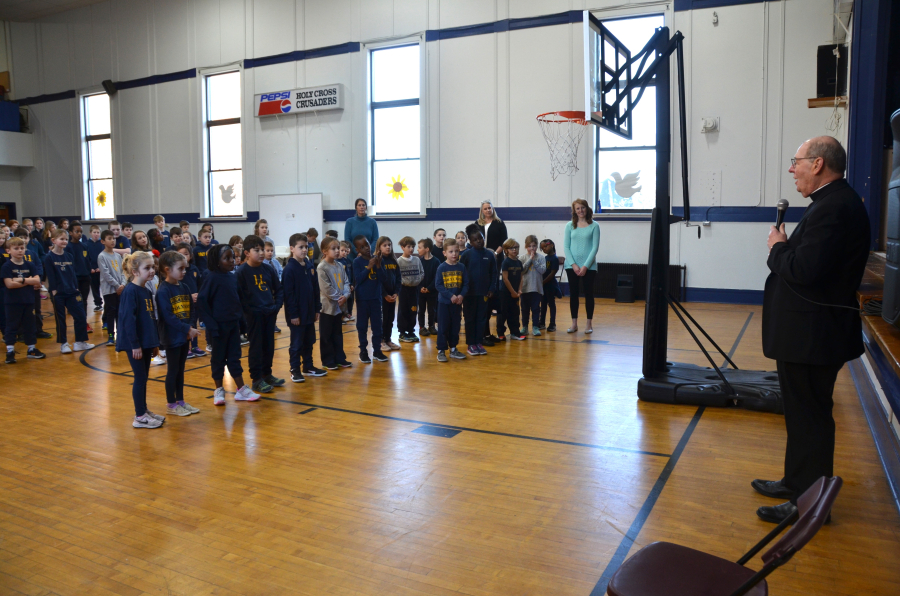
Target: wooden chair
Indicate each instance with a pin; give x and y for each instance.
(562, 268)
(666, 569)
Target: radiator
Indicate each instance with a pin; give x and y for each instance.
(605, 282)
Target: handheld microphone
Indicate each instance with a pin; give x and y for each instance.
(782, 209)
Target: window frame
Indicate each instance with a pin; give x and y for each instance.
(664, 10)
(205, 146)
(87, 202)
(371, 106)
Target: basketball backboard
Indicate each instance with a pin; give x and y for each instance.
(606, 76)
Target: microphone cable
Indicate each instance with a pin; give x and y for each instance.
(853, 308)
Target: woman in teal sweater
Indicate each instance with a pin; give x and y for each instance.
(581, 242)
(360, 225)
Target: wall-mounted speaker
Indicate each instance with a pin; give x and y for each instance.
(109, 87)
(831, 70)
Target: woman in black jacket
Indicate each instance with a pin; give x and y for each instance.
(494, 231)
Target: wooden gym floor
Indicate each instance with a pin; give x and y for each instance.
(555, 473)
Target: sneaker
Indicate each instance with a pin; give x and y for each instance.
(104, 327)
(351, 318)
(81, 346)
(473, 351)
(541, 326)
(454, 353)
(198, 352)
(432, 330)
(424, 332)
(259, 386)
(157, 360)
(35, 354)
(501, 338)
(364, 358)
(408, 339)
(481, 350)
(380, 357)
(297, 376)
(145, 421)
(66, 348)
(111, 341)
(189, 407)
(202, 325)
(442, 357)
(219, 397)
(385, 347)
(490, 340)
(277, 329)
(209, 348)
(315, 372)
(393, 345)
(492, 337)
(247, 394)
(523, 330)
(10, 356)
(177, 410)
(415, 338)
(274, 381)
(346, 321)
(536, 332)
(330, 366)
(517, 336)
(43, 335)
(90, 329)
(551, 328)
(190, 354)
(345, 364)
(156, 416)
(245, 341)
(98, 308)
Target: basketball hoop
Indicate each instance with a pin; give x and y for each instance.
(563, 131)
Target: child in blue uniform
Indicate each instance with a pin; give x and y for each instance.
(551, 285)
(510, 291)
(390, 291)
(301, 309)
(368, 274)
(138, 334)
(63, 285)
(79, 251)
(192, 281)
(173, 299)
(19, 277)
(451, 284)
(481, 265)
(94, 248)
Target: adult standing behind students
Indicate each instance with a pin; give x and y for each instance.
(581, 241)
(494, 231)
(811, 324)
(360, 225)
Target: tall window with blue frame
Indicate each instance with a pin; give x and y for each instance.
(97, 157)
(626, 170)
(222, 137)
(395, 129)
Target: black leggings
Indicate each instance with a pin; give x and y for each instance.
(576, 286)
(141, 369)
(175, 360)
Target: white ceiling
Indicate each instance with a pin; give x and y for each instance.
(25, 10)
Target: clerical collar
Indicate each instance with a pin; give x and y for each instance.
(817, 193)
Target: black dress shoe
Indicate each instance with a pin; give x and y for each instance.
(772, 488)
(778, 513)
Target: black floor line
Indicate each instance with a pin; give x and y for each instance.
(738, 340)
(84, 361)
(308, 410)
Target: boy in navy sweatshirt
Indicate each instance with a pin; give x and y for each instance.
(301, 309)
(428, 297)
(201, 249)
(32, 257)
(19, 277)
(261, 298)
(451, 284)
(481, 265)
(368, 274)
(78, 249)
(94, 248)
(192, 281)
(63, 284)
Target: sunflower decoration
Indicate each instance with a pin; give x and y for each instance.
(397, 187)
(101, 198)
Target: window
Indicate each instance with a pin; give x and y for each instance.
(626, 170)
(223, 159)
(97, 158)
(395, 129)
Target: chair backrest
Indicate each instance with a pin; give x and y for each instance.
(813, 508)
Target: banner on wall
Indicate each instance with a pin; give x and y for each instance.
(311, 99)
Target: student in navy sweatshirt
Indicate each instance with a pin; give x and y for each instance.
(261, 298)
(348, 268)
(32, 257)
(176, 309)
(390, 291)
(220, 306)
(19, 277)
(94, 248)
(138, 334)
(451, 284)
(368, 274)
(192, 281)
(78, 249)
(551, 285)
(301, 309)
(201, 250)
(428, 298)
(481, 265)
(63, 285)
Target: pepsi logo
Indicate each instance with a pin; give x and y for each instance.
(286, 106)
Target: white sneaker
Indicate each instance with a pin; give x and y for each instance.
(66, 348)
(81, 346)
(209, 348)
(219, 397)
(162, 353)
(145, 421)
(178, 410)
(156, 416)
(245, 394)
(190, 408)
(157, 360)
(385, 347)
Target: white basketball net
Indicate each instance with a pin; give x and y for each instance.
(563, 132)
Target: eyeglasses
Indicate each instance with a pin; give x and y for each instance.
(794, 160)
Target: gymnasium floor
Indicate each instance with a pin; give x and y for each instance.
(343, 484)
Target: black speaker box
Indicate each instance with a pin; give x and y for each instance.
(891, 301)
(109, 87)
(831, 71)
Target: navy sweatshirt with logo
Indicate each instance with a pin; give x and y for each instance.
(136, 326)
(482, 268)
(219, 301)
(392, 280)
(259, 289)
(369, 284)
(175, 305)
(79, 258)
(301, 296)
(61, 276)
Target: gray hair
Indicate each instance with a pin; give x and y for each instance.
(831, 152)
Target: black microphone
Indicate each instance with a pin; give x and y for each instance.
(782, 209)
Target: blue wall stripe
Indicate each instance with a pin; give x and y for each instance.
(30, 101)
(296, 56)
(740, 214)
(157, 79)
(562, 18)
(682, 5)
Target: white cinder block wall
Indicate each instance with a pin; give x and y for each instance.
(755, 70)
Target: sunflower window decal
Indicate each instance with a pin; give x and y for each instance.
(397, 186)
(101, 198)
